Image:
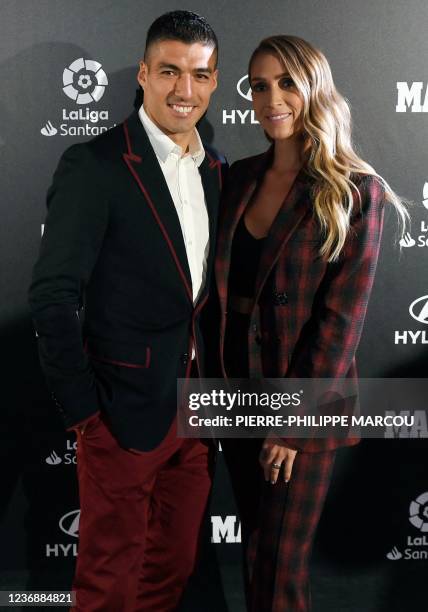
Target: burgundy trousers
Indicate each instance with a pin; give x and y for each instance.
(141, 514)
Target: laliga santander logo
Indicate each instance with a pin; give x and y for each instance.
(418, 512)
(84, 81)
(425, 195)
(422, 240)
(416, 545)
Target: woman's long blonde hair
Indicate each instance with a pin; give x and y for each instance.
(326, 139)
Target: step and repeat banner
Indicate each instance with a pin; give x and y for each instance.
(68, 73)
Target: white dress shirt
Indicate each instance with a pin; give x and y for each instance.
(185, 186)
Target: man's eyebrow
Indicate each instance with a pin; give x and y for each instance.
(204, 69)
(163, 66)
(168, 66)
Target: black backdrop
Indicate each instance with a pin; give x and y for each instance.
(378, 53)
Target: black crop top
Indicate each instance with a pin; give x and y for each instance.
(244, 264)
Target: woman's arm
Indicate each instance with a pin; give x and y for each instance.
(329, 340)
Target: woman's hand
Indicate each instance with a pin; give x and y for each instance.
(274, 456)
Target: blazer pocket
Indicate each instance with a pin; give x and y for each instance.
(134, 356)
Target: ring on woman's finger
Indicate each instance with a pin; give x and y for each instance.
(276, 466)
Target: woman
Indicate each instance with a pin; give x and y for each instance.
(298, 244)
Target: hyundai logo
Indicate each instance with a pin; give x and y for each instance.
(69, 523)
(419, 309)
(244, 89)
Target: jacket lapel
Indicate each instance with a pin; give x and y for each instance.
(293, 209)
(229, 221)
(210, 171)
(144, 167)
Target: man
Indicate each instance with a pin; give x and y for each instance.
(130, 235)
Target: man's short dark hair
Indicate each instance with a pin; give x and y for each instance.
(184, 26)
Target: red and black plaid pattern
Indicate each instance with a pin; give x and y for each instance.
(278, 525)
(279, 552)
(308, 314)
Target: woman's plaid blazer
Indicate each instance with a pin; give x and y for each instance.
(308, 314)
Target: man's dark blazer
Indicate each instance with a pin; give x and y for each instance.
(113, 248)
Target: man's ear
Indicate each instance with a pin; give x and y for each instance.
(142, 73)
(215, 78)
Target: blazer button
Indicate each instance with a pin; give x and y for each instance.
(184, 358)
(280, 298)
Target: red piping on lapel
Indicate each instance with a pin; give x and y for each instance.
(213, 164)
(130, 154)
(128, 157)
(201, 304)
(198, 308)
